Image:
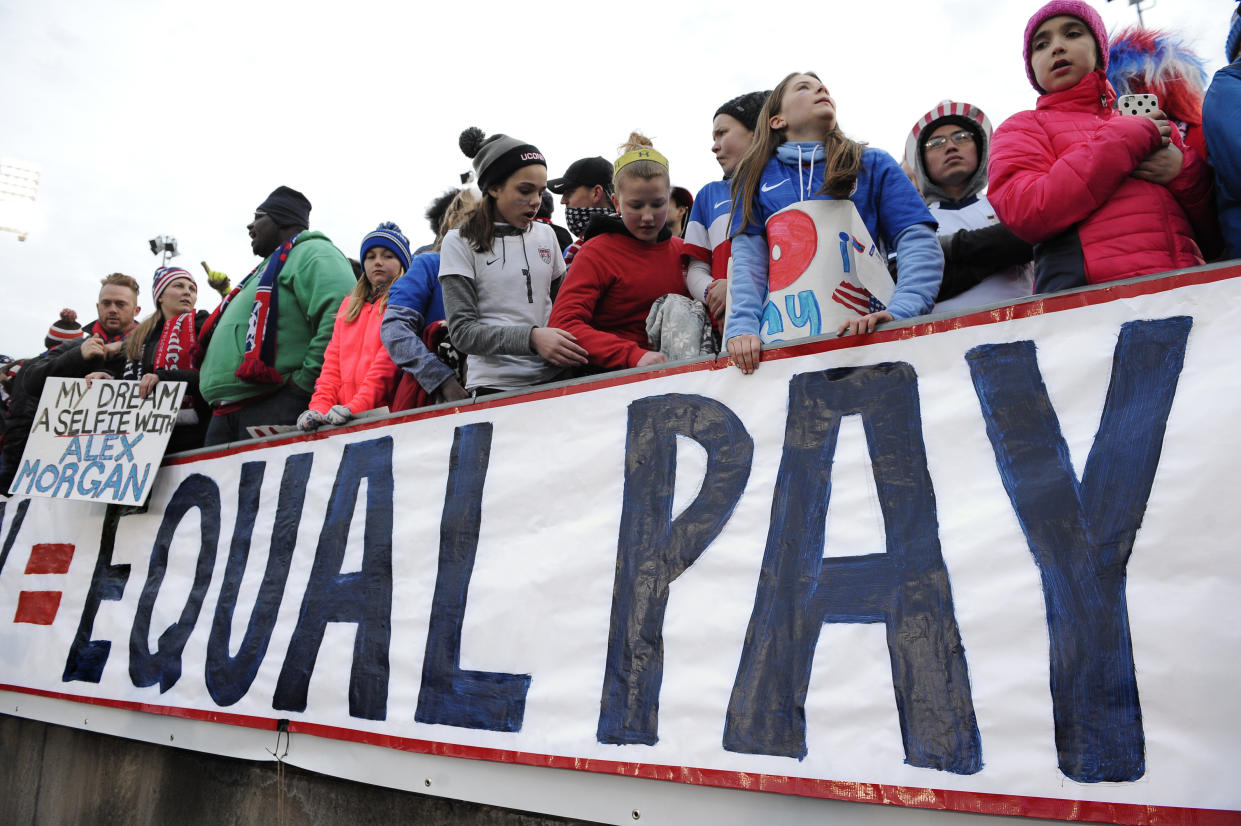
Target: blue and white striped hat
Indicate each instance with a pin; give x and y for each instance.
(388, 235)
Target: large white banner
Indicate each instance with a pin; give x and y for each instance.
(984, 564)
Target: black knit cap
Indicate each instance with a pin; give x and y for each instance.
(497, 157)
(745, 108)
(287, 207)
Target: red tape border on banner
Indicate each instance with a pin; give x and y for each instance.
(909, 796)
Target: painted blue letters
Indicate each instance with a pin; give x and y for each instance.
(363, 597)
(163, 665)
(228, 678)
(654, 549)
(906, 588)
(87, 657)
(449, 696)
(1081, 534)
(15, 525)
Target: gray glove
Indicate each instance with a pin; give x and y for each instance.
(310, 420)
(339, 414)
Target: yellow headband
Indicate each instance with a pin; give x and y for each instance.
(639, 155)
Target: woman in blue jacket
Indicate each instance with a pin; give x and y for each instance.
(800, 154)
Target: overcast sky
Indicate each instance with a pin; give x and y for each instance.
(149, 118)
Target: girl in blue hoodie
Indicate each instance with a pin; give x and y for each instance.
(800, 154)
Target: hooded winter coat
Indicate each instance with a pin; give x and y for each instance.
(1060, 178)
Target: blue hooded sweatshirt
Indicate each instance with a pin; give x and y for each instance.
(894, 214)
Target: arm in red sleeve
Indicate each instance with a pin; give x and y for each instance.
(1193, 189)
(577, 306)
(1039, 195)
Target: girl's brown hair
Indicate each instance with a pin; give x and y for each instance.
(643, 170)
(479, 227)
(844, 157)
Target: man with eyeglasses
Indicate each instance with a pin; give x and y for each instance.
(984, 263)
(265, 342)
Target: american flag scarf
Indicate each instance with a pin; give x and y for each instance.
(258, 365)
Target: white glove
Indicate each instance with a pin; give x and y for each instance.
(310, 420)
(339, 414)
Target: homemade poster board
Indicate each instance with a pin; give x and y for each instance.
(97, 441)
(980, 564)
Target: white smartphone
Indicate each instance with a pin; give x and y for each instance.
(1142, 104)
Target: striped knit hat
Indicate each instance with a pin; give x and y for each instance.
(966, 115)
(65, 328)
(165, 276)
(389, 236)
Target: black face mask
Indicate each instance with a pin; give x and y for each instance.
(578, 217)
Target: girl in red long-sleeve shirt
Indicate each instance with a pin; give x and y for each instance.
(624, 266)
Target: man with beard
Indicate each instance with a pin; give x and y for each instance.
(100, 352)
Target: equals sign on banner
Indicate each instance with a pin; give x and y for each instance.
(40, 607)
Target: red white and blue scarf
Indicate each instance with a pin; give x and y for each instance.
(258, 365)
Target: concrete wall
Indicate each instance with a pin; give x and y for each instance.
(57, 775)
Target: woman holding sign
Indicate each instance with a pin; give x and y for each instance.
(161, 348)
(813, 214)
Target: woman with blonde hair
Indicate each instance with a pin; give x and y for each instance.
(628, 263)
(162, 348)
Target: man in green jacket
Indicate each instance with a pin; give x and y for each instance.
(265, 342)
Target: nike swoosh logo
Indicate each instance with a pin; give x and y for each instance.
(721, 203)
(492, 261)
(766, 188)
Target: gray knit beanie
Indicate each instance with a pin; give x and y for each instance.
(497, 157)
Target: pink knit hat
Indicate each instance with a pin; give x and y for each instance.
(1074, 8)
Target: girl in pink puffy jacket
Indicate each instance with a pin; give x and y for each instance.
(1101, 195)
(358, 374)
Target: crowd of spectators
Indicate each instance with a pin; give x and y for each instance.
(1080, 190)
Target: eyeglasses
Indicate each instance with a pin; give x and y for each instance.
(958, 137)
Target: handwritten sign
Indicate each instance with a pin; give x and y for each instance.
(823, 270)
(98, 441)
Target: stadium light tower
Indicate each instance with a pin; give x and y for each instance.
(165, 245)
(19, 186)
(1137, 5)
